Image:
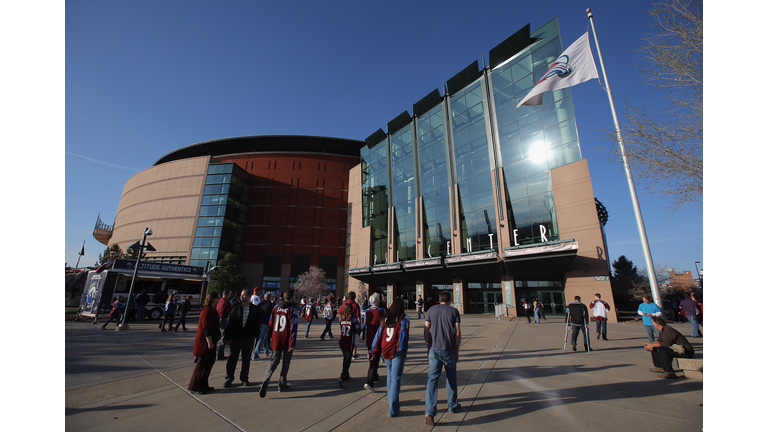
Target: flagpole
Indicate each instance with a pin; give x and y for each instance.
(80, 255)
(633, 192)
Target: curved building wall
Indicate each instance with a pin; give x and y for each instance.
(297, 216)
(165, 198)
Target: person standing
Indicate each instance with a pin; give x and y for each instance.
(115, 313)
(671, 344)
(442, 333)
(600, 314)
(527, 306)
(577, 315)
(208, 334)
(349, 328)
(536, 309)
(242, 328)
(648, 310)
(391, 341)
(329, 314)
(309, 312)
(170, 311)
(184, 308)
(141, 303)
(265, 312)
(223, 308)
(373, 317)
(699, 313)
(420, 307)
(283, 324)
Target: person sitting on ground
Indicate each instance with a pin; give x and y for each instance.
(669, 345)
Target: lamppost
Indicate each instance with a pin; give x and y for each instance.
(147, 232)
(701, 285)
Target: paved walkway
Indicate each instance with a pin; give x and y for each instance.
(513, 376)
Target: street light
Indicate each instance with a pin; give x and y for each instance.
(147, 232)
(698, 274)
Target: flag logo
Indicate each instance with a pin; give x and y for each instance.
(560, 69)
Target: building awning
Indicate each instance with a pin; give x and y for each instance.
(480, 267)
(429, 270)
(541, 262)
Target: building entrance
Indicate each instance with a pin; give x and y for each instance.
(553, 302)
(482, 297)
(550, 293)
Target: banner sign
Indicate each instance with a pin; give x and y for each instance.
(422, 263)
(467, 258)
(560, 247)
(393, 266)
(124, 264)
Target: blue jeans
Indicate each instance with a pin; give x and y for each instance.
(575, 329)
(651, 332)
(419, 311)
(536, 315)
(306, 333)
(694, 326)
(601, 329)
(438, 359)
(394, 374)
(261, 343)
(140, 314)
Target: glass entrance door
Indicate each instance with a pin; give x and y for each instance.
(553, 302)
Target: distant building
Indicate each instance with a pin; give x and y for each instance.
(681, 281)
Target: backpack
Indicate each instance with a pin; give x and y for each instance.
(328, 311)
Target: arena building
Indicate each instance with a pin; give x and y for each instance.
(469, 194)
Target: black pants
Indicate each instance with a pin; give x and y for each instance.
(345, 365)
(662, 357)
(373, 368)
(328, 325)
(239, 349)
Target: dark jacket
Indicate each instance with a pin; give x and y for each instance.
(578, 313)
(184, 307)
(235, 329)
(265, 311)
(142, 299)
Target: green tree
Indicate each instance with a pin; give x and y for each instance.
(227, 276)
(624, 280)
(109, 253)
(665, 148)
(133, 254)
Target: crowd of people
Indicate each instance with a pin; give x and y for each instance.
(248, 326)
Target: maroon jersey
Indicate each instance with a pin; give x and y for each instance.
(391, 340)
(348, 335)
(284, 324)
(373, 316)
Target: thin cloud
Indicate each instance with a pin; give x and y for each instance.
(103, 163)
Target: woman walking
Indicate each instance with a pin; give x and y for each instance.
(206, 338)
(391, 341)
(170, 311)
(350, 328)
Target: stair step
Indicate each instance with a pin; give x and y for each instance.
(694, 374)
(691, 364)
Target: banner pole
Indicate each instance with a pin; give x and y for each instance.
(628, 172)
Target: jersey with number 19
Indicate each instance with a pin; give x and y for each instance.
(391, 340)
(284, 326)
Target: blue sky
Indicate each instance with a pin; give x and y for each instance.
(145, 78)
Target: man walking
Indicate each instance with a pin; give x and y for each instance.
(420, 306)
(329, 314)
(265, 313)
(283, 325)
(576, 314)
(648, 310)
(242, 329)
(223, 308)
(442, 333)
(373, 317)
(689, 308)
(600, 314)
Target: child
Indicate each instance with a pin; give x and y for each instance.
(350, 328)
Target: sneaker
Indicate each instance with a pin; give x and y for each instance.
(455, 410)
(256, 358)
(227, 384)
(356, 356)
(573, 345)
(322, 337)
(656, 370)
(245, 383)
(341, 383)
(429, 420)
(598, 337)
(605, 339)
(282, 389)
(668, 375)
(263, 390)
(103, 328)
(369, 388)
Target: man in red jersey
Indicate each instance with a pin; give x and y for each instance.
(283, 324)
(373, 317)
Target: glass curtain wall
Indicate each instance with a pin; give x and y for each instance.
(433, 172)
(477, 215)
(404, 195)
(375, 177)
(533, 139)
(221, 220)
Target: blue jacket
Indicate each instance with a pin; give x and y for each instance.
(649, 308)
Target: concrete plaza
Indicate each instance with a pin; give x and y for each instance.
(513, 376)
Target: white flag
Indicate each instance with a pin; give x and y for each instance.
(575, 65)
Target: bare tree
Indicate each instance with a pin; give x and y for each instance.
(665, 149)
(642, 287)
(311, 283)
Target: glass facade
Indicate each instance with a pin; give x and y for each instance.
(375, 178)
(473, 138)
(221, 219)
(434, 175)
(532, 139)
